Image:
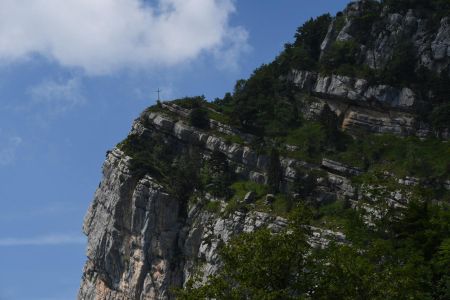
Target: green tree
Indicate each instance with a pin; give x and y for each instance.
(185, 176)
(198, 117)
(330, 123)
(400, 70)
(310, 35)
(260, 265)
(340, 54)
(218, 175)
(274, 173)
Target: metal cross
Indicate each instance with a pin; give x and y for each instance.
(158, 91)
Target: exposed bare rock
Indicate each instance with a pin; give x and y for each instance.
(138, 245)
(355, 90)
(340, 168)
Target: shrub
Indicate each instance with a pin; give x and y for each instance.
(340, 53)
(199, 118)
(440, 117)
(304, 53)
(274, 172)
(311, 139)
(310, 35)
(400, 70)
(141, 152)
(362, 25)
(217, 175)
(190, 102)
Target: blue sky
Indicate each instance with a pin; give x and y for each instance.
(73, 76)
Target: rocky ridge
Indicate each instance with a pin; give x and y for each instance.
(378, 108)
(140, 245)
(142, 242)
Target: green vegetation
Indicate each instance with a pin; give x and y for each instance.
(402, 156)
(407, 261)
(191, 102)
(274, 172)
(363, 24)
(217, 175)
(240, 188)
(213, 206)
(151, 155)
(340, 55)
(147, 155)
(304, 53)
(402, 253)
(400, 71)
(198, 118)
(436, 8)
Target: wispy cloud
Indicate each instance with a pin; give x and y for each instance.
(45, 240)
(48, 210)
(8, 149)
(102, 36)
(57, 97)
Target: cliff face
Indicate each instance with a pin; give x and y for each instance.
(143, 241)
(139, 244)
(380, 107)
(431, 45)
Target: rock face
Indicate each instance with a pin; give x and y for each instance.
(354, 90)
(142, 242)
(379, 108)
(139, 243)
(431, 46)
(133, 229)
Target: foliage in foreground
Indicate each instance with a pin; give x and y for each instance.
(410, 260)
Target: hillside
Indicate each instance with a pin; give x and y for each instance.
(325, 175)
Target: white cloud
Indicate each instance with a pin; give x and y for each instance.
(8, 149)
(57, 97)
(101, 36)
(46, 240)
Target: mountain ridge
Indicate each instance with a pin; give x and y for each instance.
(331, 148)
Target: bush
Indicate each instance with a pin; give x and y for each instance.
(405, 259)
(217, 175)
(199, 118)
(440, 117)
(304, 53)
(340, 53)
(310, 35)
(400, 70)
(190, 102)
(142, 161)
(274, 173)
(311, 138)
(362, 25)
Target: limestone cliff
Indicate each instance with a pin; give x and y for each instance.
(145, 238)
(140, 241)
(378, 106)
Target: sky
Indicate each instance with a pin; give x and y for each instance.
(74, 74)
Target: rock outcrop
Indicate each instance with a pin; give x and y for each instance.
(375, 108)
(380, 107)
(139, 244)
(143, 241)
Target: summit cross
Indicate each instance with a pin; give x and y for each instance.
(158, 91)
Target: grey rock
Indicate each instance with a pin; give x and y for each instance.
(249, 197)
(353, 89)
(270, 198)
(340, 167)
